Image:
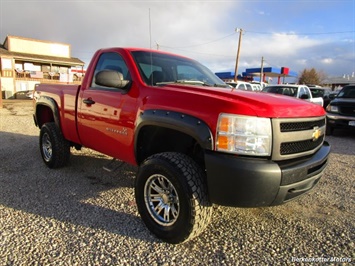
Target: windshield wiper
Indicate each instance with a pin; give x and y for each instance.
(189, 82)
(192, 82)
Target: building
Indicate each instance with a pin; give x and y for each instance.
(336, 83)
(25, 62)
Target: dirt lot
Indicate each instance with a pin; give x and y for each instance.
(83, 215)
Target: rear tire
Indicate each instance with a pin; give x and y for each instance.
(171, 195)
(55, 150)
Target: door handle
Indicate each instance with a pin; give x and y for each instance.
(88, 101)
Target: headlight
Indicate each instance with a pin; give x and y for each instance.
(246, 135)
(332, 108)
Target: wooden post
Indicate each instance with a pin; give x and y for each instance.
(238, 52)
(0, 93)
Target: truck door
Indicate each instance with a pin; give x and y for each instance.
(105, 114)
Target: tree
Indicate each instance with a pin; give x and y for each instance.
(311, 76)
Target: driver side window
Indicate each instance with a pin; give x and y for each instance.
(110, 61)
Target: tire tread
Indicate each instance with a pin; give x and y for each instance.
(196, 181)
(60, 146)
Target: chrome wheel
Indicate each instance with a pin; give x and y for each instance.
(172, 198)
(161, 200)
(55, 149)
(47, 147)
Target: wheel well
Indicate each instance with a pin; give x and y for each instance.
(44, 114)
(154, 139)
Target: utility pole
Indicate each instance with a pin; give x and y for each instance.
(262, 70)
(237, 59)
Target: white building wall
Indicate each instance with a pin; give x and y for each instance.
(7, 87)
(22, 45)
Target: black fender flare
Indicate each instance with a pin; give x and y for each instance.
(184, 123)
(48, 102)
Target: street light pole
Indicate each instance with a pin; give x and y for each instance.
(238, 52)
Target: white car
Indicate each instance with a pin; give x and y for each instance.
(256, 87)
(241, 85)
(262, 85)
(297, 91)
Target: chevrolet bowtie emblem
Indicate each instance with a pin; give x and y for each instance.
(316, 133)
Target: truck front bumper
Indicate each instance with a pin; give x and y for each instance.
(249, 182)
(340, 121)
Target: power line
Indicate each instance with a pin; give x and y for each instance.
(300, 34)
(194, 45)
(190, 51)
(257, 32)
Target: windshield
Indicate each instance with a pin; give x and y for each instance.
(289, 91)
(317, 92)
(157, 69)
(347, 92)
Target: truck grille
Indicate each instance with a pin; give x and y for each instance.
(297, 137)
(298, 126)
(347, 110)
(300, 146)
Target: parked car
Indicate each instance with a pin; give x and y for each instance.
(341, 110)
(323, 92)
(241, 85)
(333, 94)
(256, 87)
(297, 91)
(27, 94)
(261, 84)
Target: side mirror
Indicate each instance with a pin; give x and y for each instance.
(110, 78)
(304, 97)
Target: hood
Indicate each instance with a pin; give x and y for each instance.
(226, 100)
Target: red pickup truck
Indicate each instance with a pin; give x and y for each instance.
(196, 141)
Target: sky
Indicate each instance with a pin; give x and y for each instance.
(298, 34)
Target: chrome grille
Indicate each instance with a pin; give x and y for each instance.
(294, 138)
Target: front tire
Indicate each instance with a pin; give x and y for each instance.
(171, 195)
(55, 150)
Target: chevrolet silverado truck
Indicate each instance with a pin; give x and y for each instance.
(195, 142)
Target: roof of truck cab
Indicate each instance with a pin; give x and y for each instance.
(135, 49)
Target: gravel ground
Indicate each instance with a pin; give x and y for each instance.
(83, 215)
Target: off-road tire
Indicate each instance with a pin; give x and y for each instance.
(55, 150)
(190, 209)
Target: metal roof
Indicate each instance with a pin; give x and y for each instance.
(269, 72)
(255, 72)
(346, 79)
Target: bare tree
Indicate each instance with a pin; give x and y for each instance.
(311, 76)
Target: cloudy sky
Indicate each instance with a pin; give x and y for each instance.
(298, 34)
